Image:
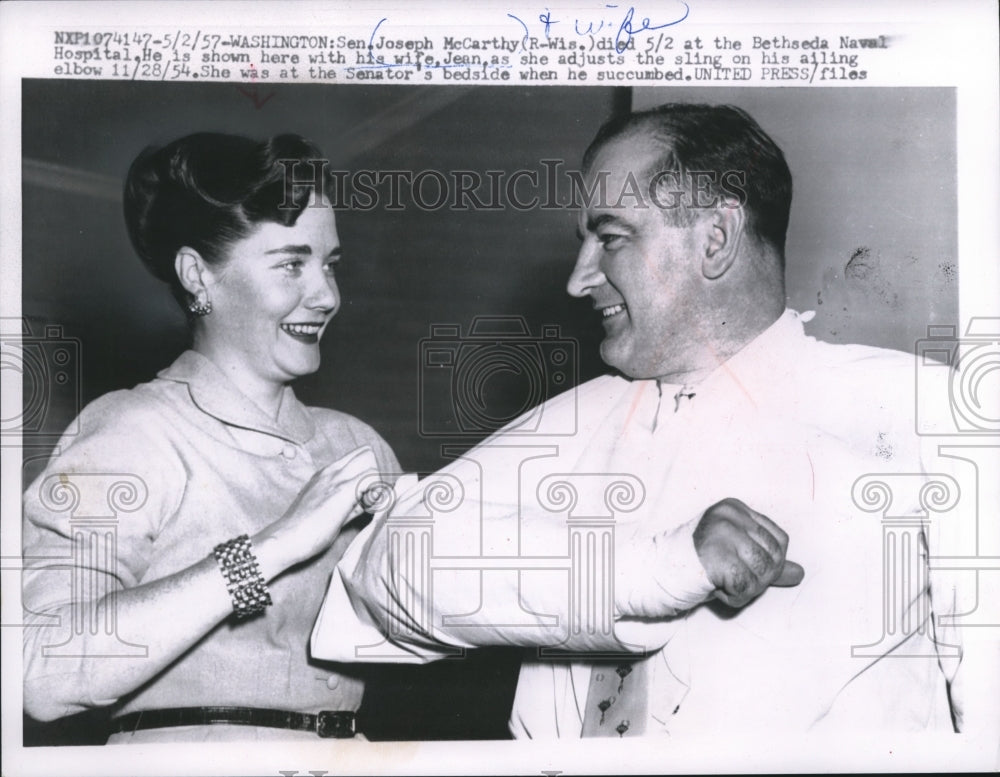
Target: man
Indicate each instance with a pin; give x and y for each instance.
(726, 402)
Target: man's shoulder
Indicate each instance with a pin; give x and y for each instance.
(858, 393)
(571, 412)
(862, 370)
(589, 397)
(857, 358)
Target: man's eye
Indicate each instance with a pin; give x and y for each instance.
(331, 267)
(611, 241)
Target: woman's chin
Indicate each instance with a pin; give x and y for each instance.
(299, 368)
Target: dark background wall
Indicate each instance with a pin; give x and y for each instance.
(872, 248)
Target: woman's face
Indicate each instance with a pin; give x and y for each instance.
(274, 294)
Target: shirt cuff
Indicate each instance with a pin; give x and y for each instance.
(348, 627)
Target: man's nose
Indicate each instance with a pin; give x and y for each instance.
(587, 273)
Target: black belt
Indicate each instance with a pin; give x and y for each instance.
(327, 724)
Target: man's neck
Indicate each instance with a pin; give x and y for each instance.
(720, 343)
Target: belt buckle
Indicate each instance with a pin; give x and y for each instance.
(335, 724)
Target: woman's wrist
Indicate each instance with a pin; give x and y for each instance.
(272, 558)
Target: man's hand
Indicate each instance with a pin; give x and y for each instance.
(743, 552)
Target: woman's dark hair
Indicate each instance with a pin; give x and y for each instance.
(718, 139)
(209, 190)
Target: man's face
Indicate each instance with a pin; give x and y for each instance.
(643, 275)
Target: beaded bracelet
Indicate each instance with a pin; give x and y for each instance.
(244, 581)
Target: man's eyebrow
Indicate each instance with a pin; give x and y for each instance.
(596, 222)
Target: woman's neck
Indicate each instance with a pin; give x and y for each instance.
(264, 393)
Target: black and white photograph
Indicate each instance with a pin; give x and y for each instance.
(370, 387)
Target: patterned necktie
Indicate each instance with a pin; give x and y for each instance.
(617, 699)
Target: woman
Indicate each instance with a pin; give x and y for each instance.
(226, 494)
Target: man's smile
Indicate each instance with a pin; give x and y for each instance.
(610, 311)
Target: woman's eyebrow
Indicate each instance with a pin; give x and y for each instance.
(291, 249)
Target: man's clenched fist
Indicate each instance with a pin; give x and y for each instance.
(743, 552)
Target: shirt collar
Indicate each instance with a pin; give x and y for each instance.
(761, 365)
(213, 393)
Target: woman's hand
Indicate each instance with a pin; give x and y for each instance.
(313, 521)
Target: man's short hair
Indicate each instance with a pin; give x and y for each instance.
(722, 140)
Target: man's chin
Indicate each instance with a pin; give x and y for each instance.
(612, 353)
(615, 355)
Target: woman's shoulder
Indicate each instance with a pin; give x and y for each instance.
(142, 426)
(135, 408)
(125, 432)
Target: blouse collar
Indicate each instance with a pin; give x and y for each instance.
(213, 393)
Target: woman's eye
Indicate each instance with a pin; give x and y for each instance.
(330, 267)
(292, 266)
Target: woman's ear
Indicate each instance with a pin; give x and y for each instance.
(190, 269)
(723, 238)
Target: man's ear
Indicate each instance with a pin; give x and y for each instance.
(723, 236)
(191, 271)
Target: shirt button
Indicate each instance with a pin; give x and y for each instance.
(288, 451)
(332, 682)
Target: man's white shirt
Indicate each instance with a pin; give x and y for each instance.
(812, 435)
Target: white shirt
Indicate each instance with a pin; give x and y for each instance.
(800, 430)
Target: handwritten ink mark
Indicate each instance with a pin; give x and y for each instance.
(254, 94)
(371, 38)
(629, 31)
(524, 40)
(548, 21)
